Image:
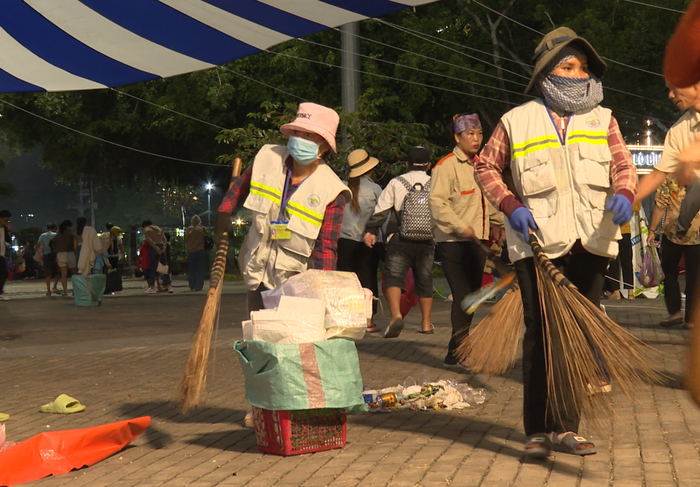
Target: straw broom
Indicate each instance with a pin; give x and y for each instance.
(492, 345)
(194, 376)
(584, 346)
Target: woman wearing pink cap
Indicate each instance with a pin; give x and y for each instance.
(460, 213)
(297, 203)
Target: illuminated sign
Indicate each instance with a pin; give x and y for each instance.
(645, 157)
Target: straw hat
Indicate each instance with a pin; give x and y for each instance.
(360, 163)
(682, 59)
(314, 118)
(553, 43)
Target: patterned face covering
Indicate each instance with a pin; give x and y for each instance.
(571, 94)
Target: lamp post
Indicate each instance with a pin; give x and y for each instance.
(209, 186)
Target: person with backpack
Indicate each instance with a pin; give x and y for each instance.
(412, 246)
(461, 214)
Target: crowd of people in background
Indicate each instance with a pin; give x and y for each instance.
(65, 250)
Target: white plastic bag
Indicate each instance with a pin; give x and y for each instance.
(341, 291)
(295, 320)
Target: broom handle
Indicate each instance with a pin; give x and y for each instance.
(218, 268)
(547, 265)
(498, 262)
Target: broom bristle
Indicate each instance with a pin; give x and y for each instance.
(492, 345)
(583, 347)
(194, 376)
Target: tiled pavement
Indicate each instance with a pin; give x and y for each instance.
(124, 360)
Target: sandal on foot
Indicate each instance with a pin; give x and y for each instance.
(372, 328)
(572, 443)
(538, 446)
(393, 330)
(429, 331)
(64, 404)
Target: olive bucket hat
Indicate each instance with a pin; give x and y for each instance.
(553, 43)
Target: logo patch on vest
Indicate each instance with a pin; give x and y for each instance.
(593, 122)
(314, 201)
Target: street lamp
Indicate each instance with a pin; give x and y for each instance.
(209, 186)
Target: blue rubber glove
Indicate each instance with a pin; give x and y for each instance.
(621, 209)
(522, 221)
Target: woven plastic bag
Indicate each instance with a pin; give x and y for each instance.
(651, 274)
(295, 376)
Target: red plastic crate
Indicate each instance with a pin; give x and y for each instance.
(296, 432)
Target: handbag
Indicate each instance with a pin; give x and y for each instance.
(651, 274)
(162, 268)
(208, 242)
(39, 252)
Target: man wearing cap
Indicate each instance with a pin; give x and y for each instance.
(460, 214)
(353, 254)
(297, 203)
(573, 184)
(403, 254)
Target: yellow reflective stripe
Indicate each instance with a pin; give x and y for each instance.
(596, 137)
(305, 214)
(536, 147)
(533, 141)
(265, 191)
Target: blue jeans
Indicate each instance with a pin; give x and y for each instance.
(154, 258)
(195, 262)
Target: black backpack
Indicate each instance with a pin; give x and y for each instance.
(415, 212)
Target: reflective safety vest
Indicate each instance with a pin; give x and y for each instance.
(270, 262)
(564, 186)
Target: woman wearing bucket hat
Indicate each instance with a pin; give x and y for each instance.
(460, 213)
(353, 254)
(297, 203)
(573, 183)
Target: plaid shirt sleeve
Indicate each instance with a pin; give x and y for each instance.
(325, 252)
(488, 171)
(237, 193)
(622, 171)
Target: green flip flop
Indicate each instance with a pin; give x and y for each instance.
(64, 404)
(4, 417)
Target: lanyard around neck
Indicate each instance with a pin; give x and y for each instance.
(285, 198)
(565, 129)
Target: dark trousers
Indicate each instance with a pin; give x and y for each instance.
(364, 261)
(623, 262)
(3, 273)
(154, 259)
(670, 257)
(689, 206)
(587, 272)
(195, 263)
(463, 264)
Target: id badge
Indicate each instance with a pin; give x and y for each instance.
(279, 231)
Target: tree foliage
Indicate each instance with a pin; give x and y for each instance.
(419, 67)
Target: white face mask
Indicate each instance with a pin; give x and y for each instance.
(302, 150)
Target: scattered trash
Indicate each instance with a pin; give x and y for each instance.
(443, 394)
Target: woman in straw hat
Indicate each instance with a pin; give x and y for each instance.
(297, 203)
(460, 213)
(353, 254)
(573, 183)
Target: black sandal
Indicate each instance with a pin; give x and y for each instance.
(538, 446)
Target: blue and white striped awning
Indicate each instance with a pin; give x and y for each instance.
(66, 45)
